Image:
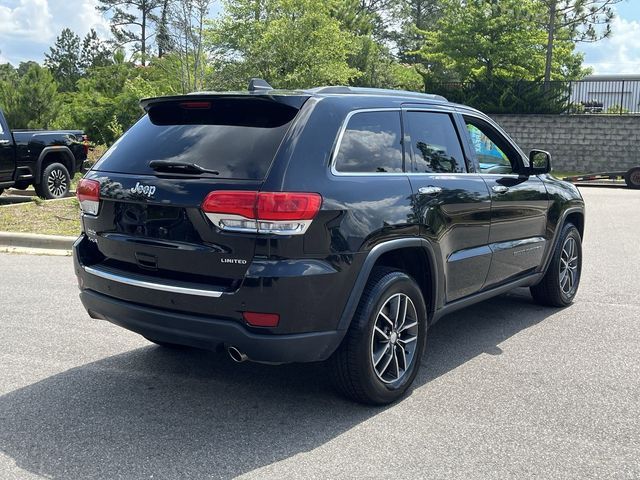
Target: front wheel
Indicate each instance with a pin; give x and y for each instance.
(54, 183)
(560, 284)
(380, 354)
(632, 178)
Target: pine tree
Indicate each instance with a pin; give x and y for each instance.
(131, 22)
(575, 21)
(63, 60)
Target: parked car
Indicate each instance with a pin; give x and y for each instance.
(333, 224)
(46, 159)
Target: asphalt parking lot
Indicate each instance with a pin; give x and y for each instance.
(508, 389)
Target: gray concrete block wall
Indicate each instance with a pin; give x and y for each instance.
(580, 143)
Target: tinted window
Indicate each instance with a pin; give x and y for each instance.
(372, 143)
(435, 143)
(492, 151)
(238, 138)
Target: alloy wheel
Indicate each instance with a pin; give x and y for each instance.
(395, 338)
(569, 266)
(57, 182)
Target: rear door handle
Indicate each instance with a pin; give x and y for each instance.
(430, 190)
(500, 189)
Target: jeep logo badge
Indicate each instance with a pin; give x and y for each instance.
(147, 190)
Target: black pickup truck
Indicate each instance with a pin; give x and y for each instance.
(46, 159)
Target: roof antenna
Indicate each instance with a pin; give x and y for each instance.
(259, 85)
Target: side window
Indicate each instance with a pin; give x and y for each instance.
(492, 151)
(435, 143)
(372, 143)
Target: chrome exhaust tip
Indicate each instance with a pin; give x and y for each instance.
(236, 355)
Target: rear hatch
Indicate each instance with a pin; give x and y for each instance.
(149, 219)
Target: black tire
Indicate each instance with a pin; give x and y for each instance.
(553, 290)
(54, 182)
(21, 185)
(352, 365)
(632, 178)
(173, 346)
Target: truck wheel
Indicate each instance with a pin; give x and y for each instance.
(632, 178)
(54, 183)
(560, 284)
(21, 185)
(381, 352)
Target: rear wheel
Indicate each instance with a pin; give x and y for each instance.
(380, 354)
(560, 284)
(632, 178)
(21, 185)
(54, 183)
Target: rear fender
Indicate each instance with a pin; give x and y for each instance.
(65, 152)
(373, 256)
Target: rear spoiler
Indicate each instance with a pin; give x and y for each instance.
(291, 99)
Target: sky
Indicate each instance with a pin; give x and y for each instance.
(29, 27)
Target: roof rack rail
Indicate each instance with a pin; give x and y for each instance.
(376, 91)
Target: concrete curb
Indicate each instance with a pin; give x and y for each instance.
(34, 241)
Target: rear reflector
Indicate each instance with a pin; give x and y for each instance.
(88, 193)
(256, 319)
(283, 213)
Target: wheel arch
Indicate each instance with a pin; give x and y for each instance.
(54, 154)
(573, 215)
(414, 256)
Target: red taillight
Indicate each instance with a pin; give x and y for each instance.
(85, 144)
(288, 205)
(256, 319)
(88, 193)
(231, 202)
(286, 213)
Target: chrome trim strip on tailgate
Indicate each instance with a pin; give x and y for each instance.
(138, 282)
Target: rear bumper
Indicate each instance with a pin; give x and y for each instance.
(210, 333)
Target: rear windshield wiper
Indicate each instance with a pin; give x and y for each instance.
(175, 166)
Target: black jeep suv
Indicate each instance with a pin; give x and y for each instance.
(330, 224)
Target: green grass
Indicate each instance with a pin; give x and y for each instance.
(60, 217)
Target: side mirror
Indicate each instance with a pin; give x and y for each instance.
(539, 162)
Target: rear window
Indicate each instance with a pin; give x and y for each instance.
(237, 137)
(371, 143)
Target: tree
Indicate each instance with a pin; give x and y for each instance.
(414, 16)
(95, 52)
(290, 43)
(484, 39)
(163, 36)
(34, 105)
(130, 22)
(575, 21)
(187, 19)
(63, 60)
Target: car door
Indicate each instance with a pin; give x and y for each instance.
(452, 207)
(519, 201)
(7, 160)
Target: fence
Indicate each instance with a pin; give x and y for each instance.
(614, 97)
